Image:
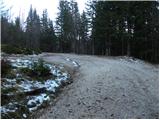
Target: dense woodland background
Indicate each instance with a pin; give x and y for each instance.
(104, 28)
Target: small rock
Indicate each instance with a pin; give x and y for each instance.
(98, 101)
(70, 111)
(102, 108)
(105, 98)
(67, 105)
(78, 103)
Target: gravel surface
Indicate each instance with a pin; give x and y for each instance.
(105, 87)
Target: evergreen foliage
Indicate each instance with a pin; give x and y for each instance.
(111, 28)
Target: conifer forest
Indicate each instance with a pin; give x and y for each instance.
(107, 28)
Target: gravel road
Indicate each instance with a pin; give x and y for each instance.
(105, 87)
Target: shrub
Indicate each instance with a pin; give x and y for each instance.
(18, 50)
(26, 71)
(37, 51)
(37, 70)
(11, 49)
(5, 67)
(8, 90)
(40, 69)
(26, 51)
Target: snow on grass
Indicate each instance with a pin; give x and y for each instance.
(61, 79)
(37, 101)
(9, 82)
(20, 63)
(51, 85)
(5, 110)
(28, 85)
(13, 81)
(24, 115)
(8, 108)
(55, 72)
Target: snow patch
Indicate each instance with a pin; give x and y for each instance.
(51, 85)
(20, 63)
(68, 59)
(24, 115)
(37, 101)
(73, 62)
(8, 108)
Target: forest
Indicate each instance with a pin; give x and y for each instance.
(126, 28)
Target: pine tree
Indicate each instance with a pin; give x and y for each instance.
(53, 38)
(105, 28)
(76, 26)
(83, 34)
(64, 27)
(33, 30)
(90, 14)
(146, 31)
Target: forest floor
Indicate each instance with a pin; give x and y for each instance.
(105, 87)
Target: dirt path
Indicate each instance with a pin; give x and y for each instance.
(106, 88)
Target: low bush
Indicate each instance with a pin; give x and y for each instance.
(11, 49)
(37, 51)
(5, 67)
(38, 70)
(19, 50)
(8, 90)
(27, 51)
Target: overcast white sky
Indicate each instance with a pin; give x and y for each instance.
(21, 7)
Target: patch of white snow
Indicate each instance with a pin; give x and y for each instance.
(24, 115)
(37, 101)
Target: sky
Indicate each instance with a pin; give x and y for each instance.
(21, 7)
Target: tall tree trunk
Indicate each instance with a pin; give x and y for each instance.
(128, 48)
(122, 47)
(93, 51)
